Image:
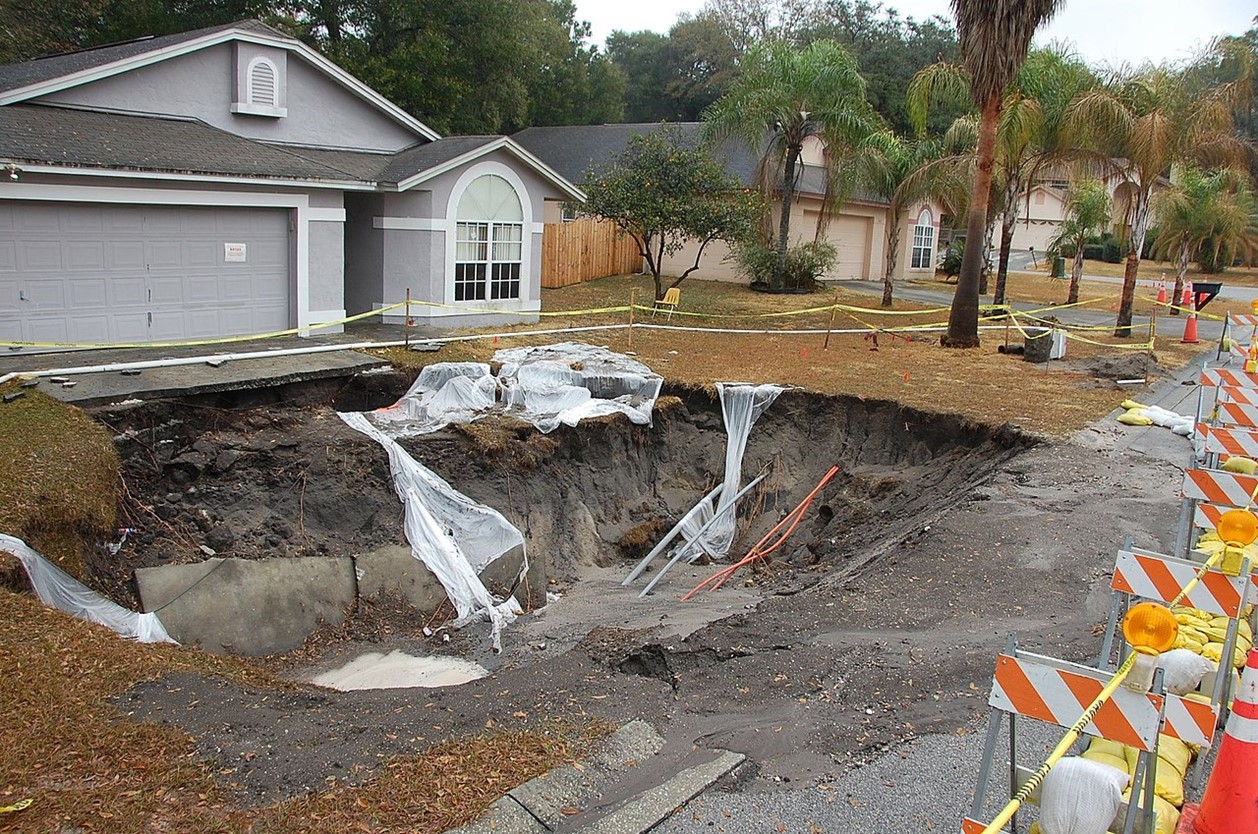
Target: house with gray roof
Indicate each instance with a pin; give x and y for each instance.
(231, 181)
(858, 229)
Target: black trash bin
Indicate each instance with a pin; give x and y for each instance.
(1038, 344)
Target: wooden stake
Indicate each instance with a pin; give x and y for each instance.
(633, 302)
(833, 309)
(408, 317)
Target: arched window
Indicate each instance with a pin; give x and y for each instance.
(923, 241)
(489, 241)
(262, 83)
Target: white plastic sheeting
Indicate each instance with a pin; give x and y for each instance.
(570, 382)
(57, 589)
(741, 407)
(451, 534)
(546, 386)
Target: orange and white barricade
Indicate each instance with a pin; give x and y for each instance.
(1057, 692)
(1217, 377)
(1229, 440)
(1236, 414)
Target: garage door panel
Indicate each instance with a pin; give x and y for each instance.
(38, 217)
(9, 298)
(85, 255)
(164, 254)
(45, 293)
(110, 273)
(81, 218)
(87, 294)
(127, 292)
(129, 327)
(40, 256)
(125, 255)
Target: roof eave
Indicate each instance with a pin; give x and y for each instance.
(501, 143)
(45, 167)
(75, 79)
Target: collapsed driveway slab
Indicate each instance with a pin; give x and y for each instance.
(251, 607)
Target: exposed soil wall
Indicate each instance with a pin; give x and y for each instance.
(295, 481)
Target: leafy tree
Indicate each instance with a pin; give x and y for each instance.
(994, 37)
(645, 62)
(574, 84)
(890, 50)
(1208, 215)
(705, 60)
(663, 192)
(1142, 126)
(1087, 214)
(900, 172)
(783, 97)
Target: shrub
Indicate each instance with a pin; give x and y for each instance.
(1111, 252)
(953, 257)
(1093, 252)
(805, 263)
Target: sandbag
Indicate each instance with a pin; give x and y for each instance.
(1240, 465)
(1119, 763)
(1136, 417)
(1107, 747)
(1166, 815)
(1172, 763)
(1080, 797)
(1183, 669)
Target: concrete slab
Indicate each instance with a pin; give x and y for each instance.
(395, 569)
(651, 807)
(205, 377)
(248, 607)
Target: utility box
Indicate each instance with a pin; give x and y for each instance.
(1059, 268)
(1058, 348)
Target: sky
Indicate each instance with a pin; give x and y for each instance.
(1153, 30)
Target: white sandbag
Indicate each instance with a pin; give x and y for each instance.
(1080, 797)
(57, 589)
(1183, 670)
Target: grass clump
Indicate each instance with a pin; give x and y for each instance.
(60, 473)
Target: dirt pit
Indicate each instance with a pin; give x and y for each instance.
(591, 500)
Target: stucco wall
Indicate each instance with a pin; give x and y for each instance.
(202, 84)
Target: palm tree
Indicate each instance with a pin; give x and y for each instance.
(1203, 214)
(1142, 126)
(1029, 136)
(994, 36)
(901, 172)
(1087, 210)
(781, 98)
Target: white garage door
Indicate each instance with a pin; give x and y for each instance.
(105, 273)
(850, 236)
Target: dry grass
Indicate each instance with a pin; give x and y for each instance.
(1156, 270)
(979, 383)
(88, 767)
(59, 471)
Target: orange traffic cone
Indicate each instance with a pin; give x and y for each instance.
(1186, 299)
(1190, 326)
(1230, 804)
(1162, 293)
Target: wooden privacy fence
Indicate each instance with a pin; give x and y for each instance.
(585, 249)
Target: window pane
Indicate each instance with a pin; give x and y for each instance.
(507, 242)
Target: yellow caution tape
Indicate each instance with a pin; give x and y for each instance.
(801, 312)
(292, 331)
(20, 805)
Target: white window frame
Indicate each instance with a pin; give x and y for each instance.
(528, 299)
(250, 107)
(922, 247)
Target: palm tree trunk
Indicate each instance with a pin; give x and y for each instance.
(1181, 271)
(893, 255)
(1076, 272)
(1007, 221)
(963, 317)
(1139, 225)
(1002, 271)
(784, 218)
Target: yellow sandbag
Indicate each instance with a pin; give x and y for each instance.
(1245, 631)
(1170, 781)
(1035, 828)
(1130, 404)
(1240, 465)
(1106, 747)
(1167, 815)
(1134, 418)
(1175, 752)
(1116, 762)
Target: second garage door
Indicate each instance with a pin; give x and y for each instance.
(103, 273)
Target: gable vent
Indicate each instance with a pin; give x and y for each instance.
(263, 88)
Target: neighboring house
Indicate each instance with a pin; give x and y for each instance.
(858, 230)
(230, 181)
(1044, 206)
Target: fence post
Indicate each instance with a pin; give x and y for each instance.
(633, 302)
